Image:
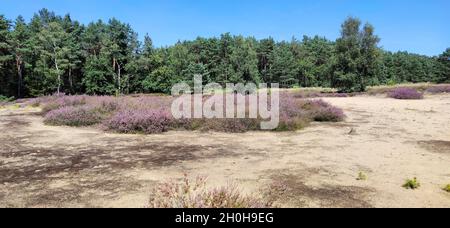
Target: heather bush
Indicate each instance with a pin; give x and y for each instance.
(226, 125)
(58, 101)
(384, 89)
(320, 95)
(195, 194)
(322, 111)
(73, 116)
(151, 114)
(439, 89)
(405, 94)
(140, 121)
(292, 115)
(105, 104)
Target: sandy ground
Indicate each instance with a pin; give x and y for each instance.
(389, 140)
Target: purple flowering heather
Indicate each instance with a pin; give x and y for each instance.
(145, 121)
(73, 116)
(195, 194)
(405, 94)
(439, 89)
(151, 114)
(322, 111)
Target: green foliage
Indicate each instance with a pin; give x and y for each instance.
(356, 56)
(447, 188)
(443, 68)
(412, 184)
(6, 99)
(99, 77)
(361, 176)
(51, 53)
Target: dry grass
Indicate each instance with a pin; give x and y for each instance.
(374, 90)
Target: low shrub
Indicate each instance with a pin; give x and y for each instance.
(140, 121)
(105, 104)
(447, 188)
(320, 95)
(58, 101)
(225, 125)
(73, 116)
(195, 194)
(412, 184)
(6, 99)
(439, 89)
(405, 94)
(386, 89)
(362, 176)
(322, 111)
(150, 114)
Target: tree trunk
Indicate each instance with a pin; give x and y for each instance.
(70, 80)
(120, 89)
(20, 76)
(59, 76)
(57, 68)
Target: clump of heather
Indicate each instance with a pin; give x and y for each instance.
(292, 115)
(225, 125)
(439, 89)
(105, 104)
(140, 121)
(151, 114)
(322, 111)
(319, 95)
(55, 102)
(405, 94)
(73, 116)
(195, 194)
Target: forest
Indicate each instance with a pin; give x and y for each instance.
(56, 54)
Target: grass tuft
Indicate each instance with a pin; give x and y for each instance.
(361, 176)
(412, 184)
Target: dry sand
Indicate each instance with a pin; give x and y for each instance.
(389, 140)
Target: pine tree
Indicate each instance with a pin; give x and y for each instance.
(444, 67)
(20, 48)
(264, 52)
(284, 68)
(5, 57)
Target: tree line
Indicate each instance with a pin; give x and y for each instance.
(53, 54)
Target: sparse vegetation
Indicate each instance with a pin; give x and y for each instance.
(74, 116)
(5, 100)
(361, 176)
(322, 111)
(439, 89)
(412, 184)
(405, 94)
(447, 188)
(151, 114)
(386, 89)
(196, 194)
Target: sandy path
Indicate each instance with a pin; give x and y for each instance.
(389, 140)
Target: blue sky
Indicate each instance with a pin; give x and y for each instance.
(420, 26)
